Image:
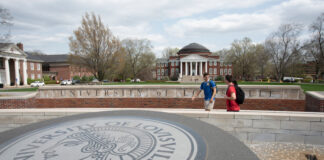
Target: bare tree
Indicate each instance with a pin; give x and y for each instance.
(283, 47)
(147, 63)
(262, 59)
(315, 46)
(242, 57)
(167, 52)
(94, 46)
(135, 49)
(5, 24)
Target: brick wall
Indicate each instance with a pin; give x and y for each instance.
(250, 104)
(63, 72)
(314, 104)
(17, 103)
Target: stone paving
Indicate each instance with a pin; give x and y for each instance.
(286, 151)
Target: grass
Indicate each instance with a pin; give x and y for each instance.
(20, 90)
(304, 86)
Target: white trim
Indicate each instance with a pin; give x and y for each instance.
(194, 57)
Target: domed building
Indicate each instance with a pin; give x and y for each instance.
(191, 62)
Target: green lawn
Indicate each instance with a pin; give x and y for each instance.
(305, 86)
(19, 90)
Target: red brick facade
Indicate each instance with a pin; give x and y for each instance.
(34, 70)
(314, 104)
(249, 104)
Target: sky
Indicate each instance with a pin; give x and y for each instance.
(46, 25)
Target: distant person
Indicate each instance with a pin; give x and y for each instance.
(231, 95)
(210, 90)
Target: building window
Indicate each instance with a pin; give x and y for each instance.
(230, 71)
(215, 63)
(221, 72)
(210, 71)
(225, 71)
(38, 76)
(158, 72)
(221, 63)
(230, 64)
(38, 66)
(32, 66)
(162, 72)
(32, 76)
(166, 72)
(177, 70)
(172, 71)
(210, 63)
(215, 70)
(177, 63)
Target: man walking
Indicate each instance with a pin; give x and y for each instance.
(209, 88)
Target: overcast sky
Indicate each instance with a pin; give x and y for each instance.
(46, 24)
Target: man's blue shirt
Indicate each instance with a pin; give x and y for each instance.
(208, 89)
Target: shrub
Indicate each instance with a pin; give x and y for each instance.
(128, 79)
(46, 78)
(91, 78)
(76, 78)
(219, 78)
(174, 77)
(50, 82)
(307, 80)
(84, 79)
(165, 78)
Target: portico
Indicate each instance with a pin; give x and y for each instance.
(13, 65)
(193, 65)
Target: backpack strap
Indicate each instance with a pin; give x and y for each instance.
(215, 86)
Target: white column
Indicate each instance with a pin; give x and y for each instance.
(25, 71)
(196, 69)
(191, 69)
(7, 71)
(206, 63)
(180, 69)
(17, 79)
(200, 68)
(186, 68)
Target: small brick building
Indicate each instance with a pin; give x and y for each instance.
(57, 67)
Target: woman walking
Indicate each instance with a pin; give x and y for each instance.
(231, 95)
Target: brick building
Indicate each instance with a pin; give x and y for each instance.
(190, 63)
(57, 67)
(16, 66)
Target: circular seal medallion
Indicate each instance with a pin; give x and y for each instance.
(108, 138)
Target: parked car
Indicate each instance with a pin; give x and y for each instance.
(95, 81)
(136, 80)
(291, 79)
(75, 81)
(66, 82)
(37, 84)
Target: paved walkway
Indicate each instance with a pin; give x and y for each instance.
(287, 151)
